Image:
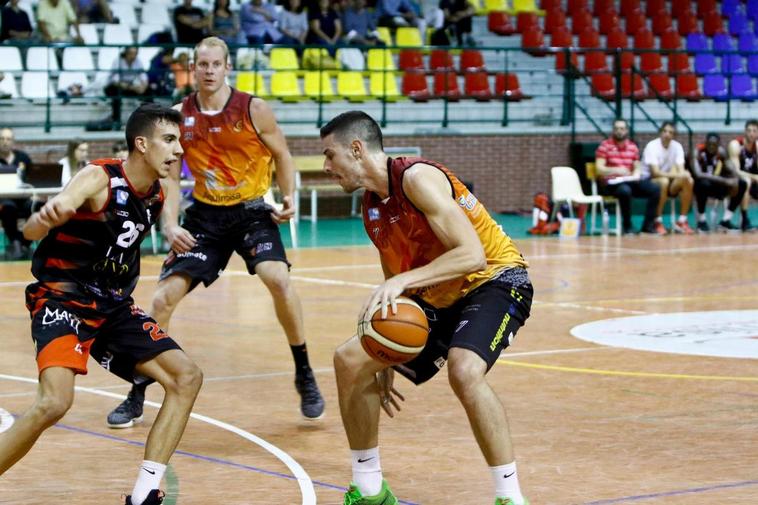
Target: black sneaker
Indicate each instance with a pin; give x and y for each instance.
(727, 226)
(129, 412)
(154, 498)
(746, 225)
(702, 227)
(311, 401)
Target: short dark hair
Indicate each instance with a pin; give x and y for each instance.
(355, 124)
(751, 122)
(619, 119)
(143, 120)
(713, 136)
(665, 124)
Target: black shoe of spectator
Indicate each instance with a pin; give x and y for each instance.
(702, 227)
(746, 225)
(727, 226)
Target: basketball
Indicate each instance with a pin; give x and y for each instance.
(399, 337)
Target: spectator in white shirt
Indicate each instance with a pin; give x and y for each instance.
(54, 18)
(663, 163)
(128, 78)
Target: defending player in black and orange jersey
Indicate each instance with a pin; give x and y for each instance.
(86, 267)
(231, 141)
(439, 245)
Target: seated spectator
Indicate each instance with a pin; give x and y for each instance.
(748, 166)
(618, 168)
(128, 78)
(55, 18)
(225, 24)
(359, 25)
(293, 23)
(324, 26)
(13, 161)
(190, 23)
(716, 177)
(160, 79)
(77, 152)
(258, 20)
(94, 11)
(184, 79)
(663, 164)
(15, 25)
(120, 149)
(458, 15)
(394, 13)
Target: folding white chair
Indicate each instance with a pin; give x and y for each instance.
(78, 58)
(8, 85)
(36, 85)
(567, 188)
(10, 59)
(607, 200)
(118, 35)
(41, 58)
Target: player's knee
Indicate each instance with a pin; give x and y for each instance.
(189, 379)
(342, 362)
(466, 370)
(50, 409)
(278, 284)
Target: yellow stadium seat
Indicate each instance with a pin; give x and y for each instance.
(495, 5)
(318, 58)
(284, 86)
(384, 35)
(251, 82)
(380, 59)
(283, 58)
(350, 85)
(318, 86)
(520, 6)
(384, 85)
(408, 36)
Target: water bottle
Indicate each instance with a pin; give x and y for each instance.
(606, 219)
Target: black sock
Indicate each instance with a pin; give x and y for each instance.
(744, 214)
(300, 353)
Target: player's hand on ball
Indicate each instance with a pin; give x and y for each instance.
(181, 240)
(386, 294)
(387, 392)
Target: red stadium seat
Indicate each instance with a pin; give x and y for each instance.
(555, 18)
(526, 22)
(446, 85)
(713, 23)
(477, 86)
(679, 6)
(602, 86)
(652, 7)
(650, 62)
(687, 23)
(616, 38)
(507, 86)
(629, 6)
(500, 23)
(662, 22)
(580, 21)
(599, 7)
(632, 87)
(533, 39)
(704, 7)
(679, 63)
(441, 60)
(595, 62)
(562, 38)
(546, 5)
(575, 6)
(411, 59)
(589, 39)
(560, 61)
(627, 60)
(686, 87)
(415, 86)
(608, 21)
(660, 83)
(635, 22)
(644, 39)
(471, 61)
(671, 40)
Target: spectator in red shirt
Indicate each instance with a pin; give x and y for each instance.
(617, 161)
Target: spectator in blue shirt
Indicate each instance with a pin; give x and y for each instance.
(359, 25)
(257, 20)
(394, 13)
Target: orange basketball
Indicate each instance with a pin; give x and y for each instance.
(399, 337)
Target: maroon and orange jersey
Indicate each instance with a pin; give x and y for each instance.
(95, 255)
(406, 240)
(227, 158)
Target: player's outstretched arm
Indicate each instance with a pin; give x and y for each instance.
(88, 189)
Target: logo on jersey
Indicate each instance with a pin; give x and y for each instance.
(57, 315)
(394, 219)
(121, 197)
(189, 121)
(439, 362)
(461, 325)
(214, 129)
(122, 213)
(106, 361)
(237, 128)
(373, 214)
(263, 247)
(467, 202)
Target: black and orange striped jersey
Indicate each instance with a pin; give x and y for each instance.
(227, 158)
(405, 238)
(95, 255)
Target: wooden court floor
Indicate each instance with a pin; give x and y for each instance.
(592, 424)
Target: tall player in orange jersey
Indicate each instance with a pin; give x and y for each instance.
(230, 140)
(439, 245)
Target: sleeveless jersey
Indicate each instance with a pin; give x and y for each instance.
(709, 162)
(406, 241)
(96, 255)
(228, 160)
(748, 158)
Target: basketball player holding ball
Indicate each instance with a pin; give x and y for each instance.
(439, 246)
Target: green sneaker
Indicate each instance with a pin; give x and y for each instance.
(508, 501)
(385, 496)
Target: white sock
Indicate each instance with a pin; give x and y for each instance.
(149, 478)
(659, 219)
(727, 215)
(701, 218)
(505, 478)
(682, 218)
(367, 471)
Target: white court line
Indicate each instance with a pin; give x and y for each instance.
(570, 305)
(6, 420)
(303, 479)
(506, 355)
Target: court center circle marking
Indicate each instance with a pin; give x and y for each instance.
(303, 479)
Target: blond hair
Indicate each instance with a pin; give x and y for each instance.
(213, 42)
